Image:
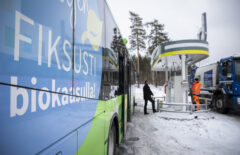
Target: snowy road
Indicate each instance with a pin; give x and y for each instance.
(170, 133)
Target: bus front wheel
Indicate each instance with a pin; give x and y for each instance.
(112, 141)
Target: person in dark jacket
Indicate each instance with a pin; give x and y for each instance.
(147, 95)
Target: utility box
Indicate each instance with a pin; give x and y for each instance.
(177, 89)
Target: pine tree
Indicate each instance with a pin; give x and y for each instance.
(156, 35)
(117, 44)
(114, 44)
(155, 38)
(137, 37)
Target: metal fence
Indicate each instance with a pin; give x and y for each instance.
(161, 106)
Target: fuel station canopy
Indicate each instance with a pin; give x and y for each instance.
(194, 51)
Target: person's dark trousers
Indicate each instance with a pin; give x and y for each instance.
(145, 105)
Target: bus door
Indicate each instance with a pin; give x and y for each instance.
(129, 90)
(122, 91)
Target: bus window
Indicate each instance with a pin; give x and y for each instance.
(110, 65)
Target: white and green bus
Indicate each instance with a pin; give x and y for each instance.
(65, 78)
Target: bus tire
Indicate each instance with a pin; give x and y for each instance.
(220, 104)
(112, 140)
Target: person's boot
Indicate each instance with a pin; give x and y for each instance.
(153, 107)
(145, 111)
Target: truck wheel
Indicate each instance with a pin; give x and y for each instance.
(221, 105)
(112, 141)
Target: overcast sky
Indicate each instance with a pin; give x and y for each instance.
(182, 20)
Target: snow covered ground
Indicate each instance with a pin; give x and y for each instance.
(180, 133)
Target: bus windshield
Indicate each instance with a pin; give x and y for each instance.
(237, 69)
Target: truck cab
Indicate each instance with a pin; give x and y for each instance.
(229, 81)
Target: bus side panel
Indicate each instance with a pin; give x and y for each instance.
(37, 113)
(88, 43)
(113, 106)
(35, 45)
(30, 122)
(68, 145)
(94, 142)
(120, 111)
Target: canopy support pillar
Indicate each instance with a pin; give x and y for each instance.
(183, 56)
(168, 93)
